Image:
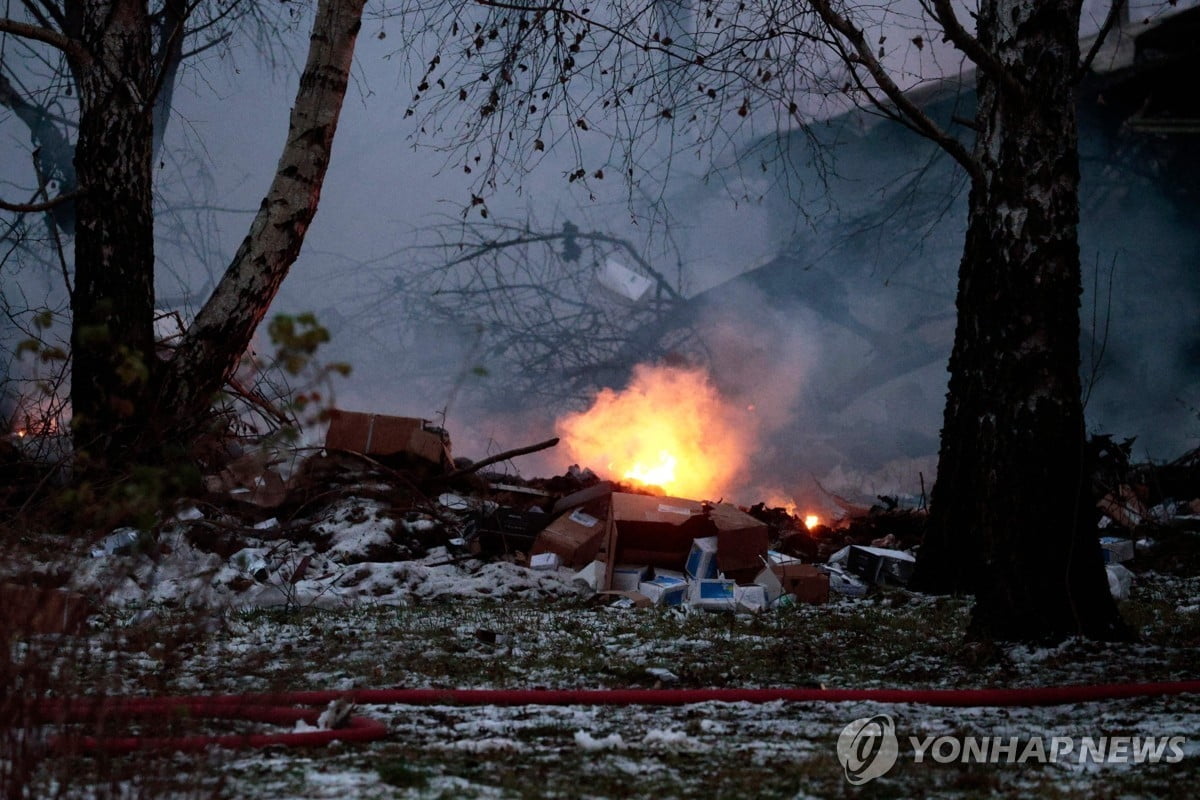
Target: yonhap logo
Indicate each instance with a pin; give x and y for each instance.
(868, 748)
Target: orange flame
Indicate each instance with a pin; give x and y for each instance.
(669, 428)
(778, 499)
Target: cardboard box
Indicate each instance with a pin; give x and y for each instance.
(804, 581)
(742, 541)
(843, 582)
(576, 536)
(383, 435)
(776, 557)
(629, 598)
(250, 479)
(654, 530)
(545, 561)
(715, 595)
(751, 598)
(664, 590)
(666, 526)
(590, 576)
(880, 565)
(1116, 550)
(702, 559)
(767, 579)
(673, 574)
(627, 577)
(621, 280)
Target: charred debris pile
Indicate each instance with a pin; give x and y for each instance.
(268, 515)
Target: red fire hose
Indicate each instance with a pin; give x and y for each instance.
(280, 708)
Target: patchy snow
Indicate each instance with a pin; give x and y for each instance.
(672, 739)
(348, 614)
(333, 565)
(585, 740)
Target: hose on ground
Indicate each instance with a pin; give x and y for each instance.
(281, 708)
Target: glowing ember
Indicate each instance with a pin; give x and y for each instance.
(811, 521)
(670, 428)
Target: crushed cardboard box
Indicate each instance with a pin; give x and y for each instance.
(876, 565)
(805, 582)
(250, 479)
(623, 528)
(577, 535)
(628, 597)
(843, 582)
(382, 435)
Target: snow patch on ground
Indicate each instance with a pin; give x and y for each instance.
(329, 564)
(586, 741)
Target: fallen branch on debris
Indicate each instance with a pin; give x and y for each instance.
(505, 456)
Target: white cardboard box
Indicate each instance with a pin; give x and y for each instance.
(714, 594)
(702, 559)
(664, 591)
(545, 562)
(751, 598)
(627, 577)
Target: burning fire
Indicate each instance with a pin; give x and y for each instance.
(669, 428)
(778, 499)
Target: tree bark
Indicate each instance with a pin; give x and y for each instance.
(1011, 516)
(112, 301)
(214, 343)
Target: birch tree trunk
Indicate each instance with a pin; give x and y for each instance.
(1011, 514)
(216, 340)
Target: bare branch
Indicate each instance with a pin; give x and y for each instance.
(864, 55)
(1110, 22)
(72, 48)
(505, 456)
(33, 208)
(37, 13)
(943, 12)
(590, 236)
(217, 42)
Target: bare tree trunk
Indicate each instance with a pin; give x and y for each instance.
(112, 301)
(216, 340)
(1011, 517)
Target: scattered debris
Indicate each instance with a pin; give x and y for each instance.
(876, 565)
(1115, 550)
(384, 514)
(119, 542)
(1120, 580)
